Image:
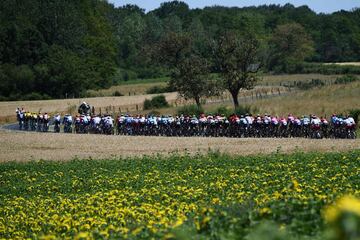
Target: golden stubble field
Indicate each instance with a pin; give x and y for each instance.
(52, 106)
(27, 146)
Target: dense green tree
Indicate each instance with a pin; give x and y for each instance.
(173, 8)
(236, 57)
(192, 79)
(289, 45)
(107, 44)
(174, 48)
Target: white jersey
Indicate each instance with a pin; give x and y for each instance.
(315, 121)
(305, 121)
(274, 120)
(203, 120)
(171, 120)
(243, 120)
(68, 119)
(57, 118)
(267, 120)
(249, 120)
(142, 120)
(297, 122)
(109, 121)
(349, 121)
(96, 120)
(121, 119)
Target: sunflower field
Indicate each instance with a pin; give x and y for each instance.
(213, 196)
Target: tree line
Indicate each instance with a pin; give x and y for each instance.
(59, 48)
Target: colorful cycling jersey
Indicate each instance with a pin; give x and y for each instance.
(349, 121)
(334, 119)
(315, 121)
(57, 118)
(305, 121)
(339, 121)
(267, 120)
(283, 122)
(128, 120)
(121, 119)
(194, 120)
(109, 121)
(96, 120)
(68, 119)
(274, 121)
(249, 120)
(243, 120)
(291, 118)
(297, 122)
(84, 119)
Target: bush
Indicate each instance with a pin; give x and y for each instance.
(117, 94)
(308, 85)
(159, 89)
(27, 97)
(327, 69)
(147, 104)
(190, 110)
(150, 72)
(36, 96)
(242, 110)
(346, 79)
(223, 110)
(156, 102)
(154, 113)
(355, 113)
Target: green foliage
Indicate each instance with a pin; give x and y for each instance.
(290, 45)
(117, 94)
(236, 59)
(47, 54)
(244, 109)
(34, 96)
(156, 102)
(346, 79)
(328, 69)
(306, 85)
(192, 79)
(355, 113)
(159, 89)
(107, 45)
(240, 110)
(190, 110)
(223, 110)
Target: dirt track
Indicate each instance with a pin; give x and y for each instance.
(26, 146)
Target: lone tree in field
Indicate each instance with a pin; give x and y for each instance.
(236, 60)
(192, 79)
(189, 72)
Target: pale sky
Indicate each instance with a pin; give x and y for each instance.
(325, 6)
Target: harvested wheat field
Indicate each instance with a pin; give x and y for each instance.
(345, 63)
(321, 101)
(25, 146)
(64, 105)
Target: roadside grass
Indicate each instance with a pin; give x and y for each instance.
(149, 80)
(345, 63)
(322, 101)
(126, 89)
(290, 78)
